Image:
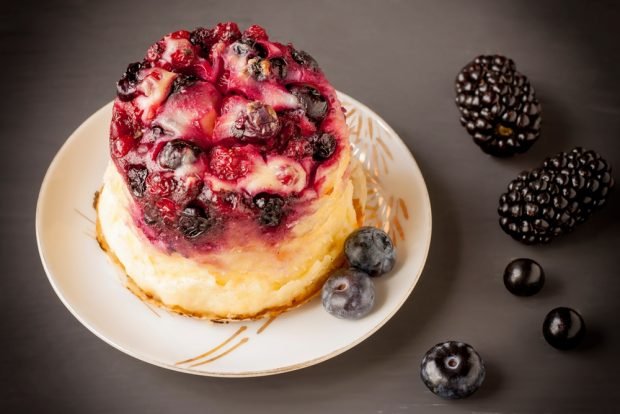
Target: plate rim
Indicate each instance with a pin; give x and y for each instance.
(245, 374)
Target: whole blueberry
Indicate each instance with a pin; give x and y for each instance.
(452, 370)
(524, 277)
(564, 328)
(348, 294)
(371, 250)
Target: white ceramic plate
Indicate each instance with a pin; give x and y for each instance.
(87, 283)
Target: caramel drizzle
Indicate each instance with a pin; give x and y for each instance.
(217, 348)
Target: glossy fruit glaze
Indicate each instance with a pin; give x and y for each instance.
(221, 134)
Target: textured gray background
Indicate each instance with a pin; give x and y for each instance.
(59, 61)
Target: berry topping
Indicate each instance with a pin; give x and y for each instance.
(524, 277)
(270, 207)
(177, 153)
(193, 222)
(311, 101)
(348, 294)
(498, 105)
(304, 59)
(371, 250)
(216, 123)
(564, 328)
(324, 147)
(551, 200)
(136, 177)
(452, 370)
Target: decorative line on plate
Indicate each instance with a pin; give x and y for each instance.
(368, 141)
(369, 146)
(266, 324)
(217, 348)
(215, 358)
(85, 217)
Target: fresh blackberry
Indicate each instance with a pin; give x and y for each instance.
(551, 200)
(498, 105)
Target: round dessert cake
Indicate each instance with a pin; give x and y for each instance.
(231, 189)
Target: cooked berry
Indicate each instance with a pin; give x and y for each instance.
(203, 38)
(524, 277)
(136, 177)
(277, 67)
(498, 105)
(183, 81)
(160, 184)
(126, 87)
(564, 328)
(150, 214)
(311, 101)
(176, 153)
(546, 202)
(260, 69)
(260, 121)
(348, 294)
(304, 59)
(255, 32)
(271, 209)
(226, 32)
(323, 146)
(193, 222)
(371, 250)
(452, 370)
(229, 163)
(242, 47)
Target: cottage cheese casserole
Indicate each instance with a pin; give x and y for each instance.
(231, 188)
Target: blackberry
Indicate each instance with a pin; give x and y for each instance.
(498, 105)
(551, 200)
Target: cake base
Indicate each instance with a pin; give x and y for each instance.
(141, 284)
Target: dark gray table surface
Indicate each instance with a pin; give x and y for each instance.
(59, 61)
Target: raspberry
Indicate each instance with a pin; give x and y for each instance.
(229, 163)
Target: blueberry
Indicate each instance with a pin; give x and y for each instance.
(127, 85)
(348, 294)
(323, 147)
(452, 370)
(311, 101)
(136, 178)
(193, 222)
(564, 328)
(260, 121)
(277, 67)
(304, 59)
(371, 250)
(524, 277)
(271, 209)
(176, 153)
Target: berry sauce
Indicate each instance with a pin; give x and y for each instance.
(219, 135)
